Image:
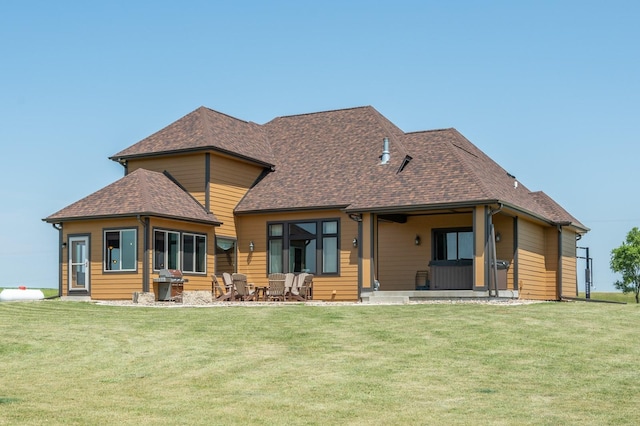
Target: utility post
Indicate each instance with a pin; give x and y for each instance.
(588, 272)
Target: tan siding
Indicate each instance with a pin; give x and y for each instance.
(188, 170)
(569, 265)
(230, 181)
(399, 258)
(254, 228)
(505, 247)
(532, 273)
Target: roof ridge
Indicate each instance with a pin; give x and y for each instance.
(207, 109)
(322, 112)
(444, 129)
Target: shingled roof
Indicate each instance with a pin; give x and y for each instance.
(205, 129)
(141, 192)
(331, 159)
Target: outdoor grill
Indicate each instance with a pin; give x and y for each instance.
(168, 278)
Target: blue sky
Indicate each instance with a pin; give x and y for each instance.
(548, 89)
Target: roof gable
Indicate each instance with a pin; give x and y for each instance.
(204, 129)
(141, 192)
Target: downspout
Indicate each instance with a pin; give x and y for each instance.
(559, 276)
(145, 256)
(58, 227)
(494, 265)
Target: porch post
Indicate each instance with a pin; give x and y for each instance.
(480, 245)
(366, 231)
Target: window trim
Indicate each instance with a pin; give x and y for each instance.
(104, 249)
(319, 237)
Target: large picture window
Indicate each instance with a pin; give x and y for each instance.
(310, 246)
(174, 250)
(120, 253)
(453, 244)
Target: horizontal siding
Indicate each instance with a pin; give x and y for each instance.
(254, 228)
(230, 181)
(505, 249)
(188, 170)
(532, 272)
(569, 264)
(399, 258)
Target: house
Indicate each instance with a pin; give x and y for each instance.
(344, 194)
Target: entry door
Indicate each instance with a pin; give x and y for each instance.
(79, 264)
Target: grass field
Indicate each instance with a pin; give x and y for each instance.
(547, 363)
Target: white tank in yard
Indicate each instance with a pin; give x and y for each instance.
(20, 293)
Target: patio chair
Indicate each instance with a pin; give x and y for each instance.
(276, 290)
(228, 281)
(304, 288)
(226, 293)
(289, 281)
(242, 289)
(294, 294)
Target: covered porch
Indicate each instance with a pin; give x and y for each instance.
(443, 253)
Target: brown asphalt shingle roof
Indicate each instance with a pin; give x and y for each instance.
(141, 192)
(327, 159)
(205, 129)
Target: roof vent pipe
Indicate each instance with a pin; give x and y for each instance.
(386, 156)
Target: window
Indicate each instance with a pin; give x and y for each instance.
(166, 250)
(302, 246)
(225, 255)
(120, 253)
(194, 253)
(453, 244)
(175, 250)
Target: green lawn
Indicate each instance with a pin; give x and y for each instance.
(547, 363)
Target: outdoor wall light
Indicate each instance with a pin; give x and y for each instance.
(64, 245)
(355, 242)
(251, 246)
(498, 237)
(417, 240)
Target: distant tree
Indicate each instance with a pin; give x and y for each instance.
(626, 260)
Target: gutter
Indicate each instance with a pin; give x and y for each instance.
(494, 266)
(145, 249)
(58, 227)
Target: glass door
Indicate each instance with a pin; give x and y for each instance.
(79, 264)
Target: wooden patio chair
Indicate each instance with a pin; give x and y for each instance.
(294, 294)
(289, 281)
(226, 293)
(227, 280)
(242, 289)
(276, 290)
(304, 288)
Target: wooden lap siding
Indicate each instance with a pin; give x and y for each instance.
(254, 264)
(569, 265)
(532, 266)
(505, 249)
(230, 181)
(188, 170)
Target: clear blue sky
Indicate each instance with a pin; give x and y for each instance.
(548, 89)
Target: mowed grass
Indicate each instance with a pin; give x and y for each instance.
(547, 363)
